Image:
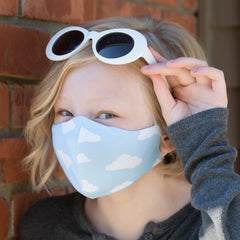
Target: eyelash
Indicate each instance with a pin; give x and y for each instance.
(106, 113)
(64, 113)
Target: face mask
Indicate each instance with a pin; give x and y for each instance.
(100, 160)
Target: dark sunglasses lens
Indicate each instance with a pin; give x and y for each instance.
(67, 42)
(115, 45)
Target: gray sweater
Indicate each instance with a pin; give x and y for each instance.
(213, 213)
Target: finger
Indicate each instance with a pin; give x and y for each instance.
(204, 81)
(156, 55)
(216, 75)
(165, 98)
(187, 63)
(194, 95)
(175, 77)
(200, 96)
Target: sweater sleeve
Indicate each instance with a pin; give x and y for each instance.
(207, 159)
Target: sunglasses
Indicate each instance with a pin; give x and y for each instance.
(114, 46)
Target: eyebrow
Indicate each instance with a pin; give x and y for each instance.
(99, 100)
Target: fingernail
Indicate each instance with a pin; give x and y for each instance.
(194, 71)
(146, 67)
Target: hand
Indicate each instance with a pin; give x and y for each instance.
(196, 86)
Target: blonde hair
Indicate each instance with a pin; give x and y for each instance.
(169, 40)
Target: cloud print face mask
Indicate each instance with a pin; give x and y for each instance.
(100, 160)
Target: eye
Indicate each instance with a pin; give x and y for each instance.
(65, 113)
(106, 115)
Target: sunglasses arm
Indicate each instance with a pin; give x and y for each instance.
(149, 58)
(147, 55)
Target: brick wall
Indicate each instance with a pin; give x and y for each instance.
(25, 28)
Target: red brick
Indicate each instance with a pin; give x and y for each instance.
(7, 145)
(190, 4)
(89, 12)
(78, 11)
(187, 21)
(4, 105)
(110, 8)
(22, 51)
(4, 219)
(20, 104)
(67, 11)
(12, 150)
(170, 3)
(107, 8)
(23, 201)
(8, 7)
(133, 9)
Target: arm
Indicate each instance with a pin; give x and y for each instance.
(208, 160)
(197, 120)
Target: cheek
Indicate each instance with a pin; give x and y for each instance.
(142, 118)
(141, 113)
(60, 119)
(57, 119)
(145, 112)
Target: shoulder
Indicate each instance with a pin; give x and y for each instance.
(46, 207)
(53, 214)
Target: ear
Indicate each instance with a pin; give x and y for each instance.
(166, 145)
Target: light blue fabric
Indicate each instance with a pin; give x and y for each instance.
(99, 160)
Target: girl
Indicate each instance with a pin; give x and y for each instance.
(118, 129)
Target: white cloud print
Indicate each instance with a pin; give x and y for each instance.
(64, 158)
(147, 133)
(121, 186)
(123, 162)
(87, 186)
(87, 136)
(68, 126)
(82, 158)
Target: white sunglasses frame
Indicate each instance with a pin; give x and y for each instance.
(140, 48)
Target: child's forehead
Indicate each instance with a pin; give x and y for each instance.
(95, 65)
(100, 80)
(97, 73)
